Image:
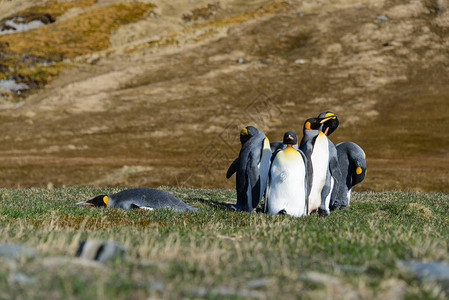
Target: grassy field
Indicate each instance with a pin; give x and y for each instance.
(220, 254)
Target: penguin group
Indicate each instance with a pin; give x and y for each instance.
(297, 179)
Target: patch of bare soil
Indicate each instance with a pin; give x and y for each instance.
(165, 104)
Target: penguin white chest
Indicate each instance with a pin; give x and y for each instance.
(320, 166)
(286, 190)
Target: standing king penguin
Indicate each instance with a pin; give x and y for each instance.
(286, 188)
(352, 161)
(251, 168)
(323, 170)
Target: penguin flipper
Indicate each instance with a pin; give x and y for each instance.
(267, 189)
(306, 180)
(135, 206)
(254, 178)
(233, 168)
(275, 146)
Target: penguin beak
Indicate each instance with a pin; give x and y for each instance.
(327, 119)
(289, 137)
(84, 203)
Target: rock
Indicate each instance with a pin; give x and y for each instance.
(12, 85)
(382, 18)
(57, 262)
(435, 271)
(241, 60)
(21, 278)
(300, 14)
(101, 251)
(334, 285)
(321, 278)
(15, 251)
(258, 283)
(225, 292)
(300, 61)
(156, 286)
(432, 270)
(93, 59)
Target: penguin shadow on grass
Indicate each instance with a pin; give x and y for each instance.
(212, 204)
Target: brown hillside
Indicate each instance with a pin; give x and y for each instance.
(162, 101)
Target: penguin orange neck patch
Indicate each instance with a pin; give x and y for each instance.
(307, 126)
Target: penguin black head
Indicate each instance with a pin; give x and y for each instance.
(247, 133)
(329, 122)
(101, 200)
(312, 124)
(327, 125)
(290, 138)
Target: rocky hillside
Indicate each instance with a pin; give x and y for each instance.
(104, 92)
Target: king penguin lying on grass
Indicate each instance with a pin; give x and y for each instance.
(251, 168)
(352, 161)
(143, 198)
(287, 182)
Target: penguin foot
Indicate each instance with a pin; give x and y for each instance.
(323, 212)
(335, 206)
(282, 212)
(343, 207)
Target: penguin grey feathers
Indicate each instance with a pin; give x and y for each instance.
(251, 168)
(352, 161)
(143, 198)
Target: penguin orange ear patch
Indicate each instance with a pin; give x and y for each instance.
(329, 114)
(105, 200)
(244, 131)
(307, 125)
(358, 170)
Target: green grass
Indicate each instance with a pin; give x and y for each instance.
(218, 253)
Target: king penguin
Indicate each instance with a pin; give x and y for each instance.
(286, 188)
(251, 168)
(352, 161)
(143, 198)
(323, 170)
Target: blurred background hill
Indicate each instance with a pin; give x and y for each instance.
(150, 93)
